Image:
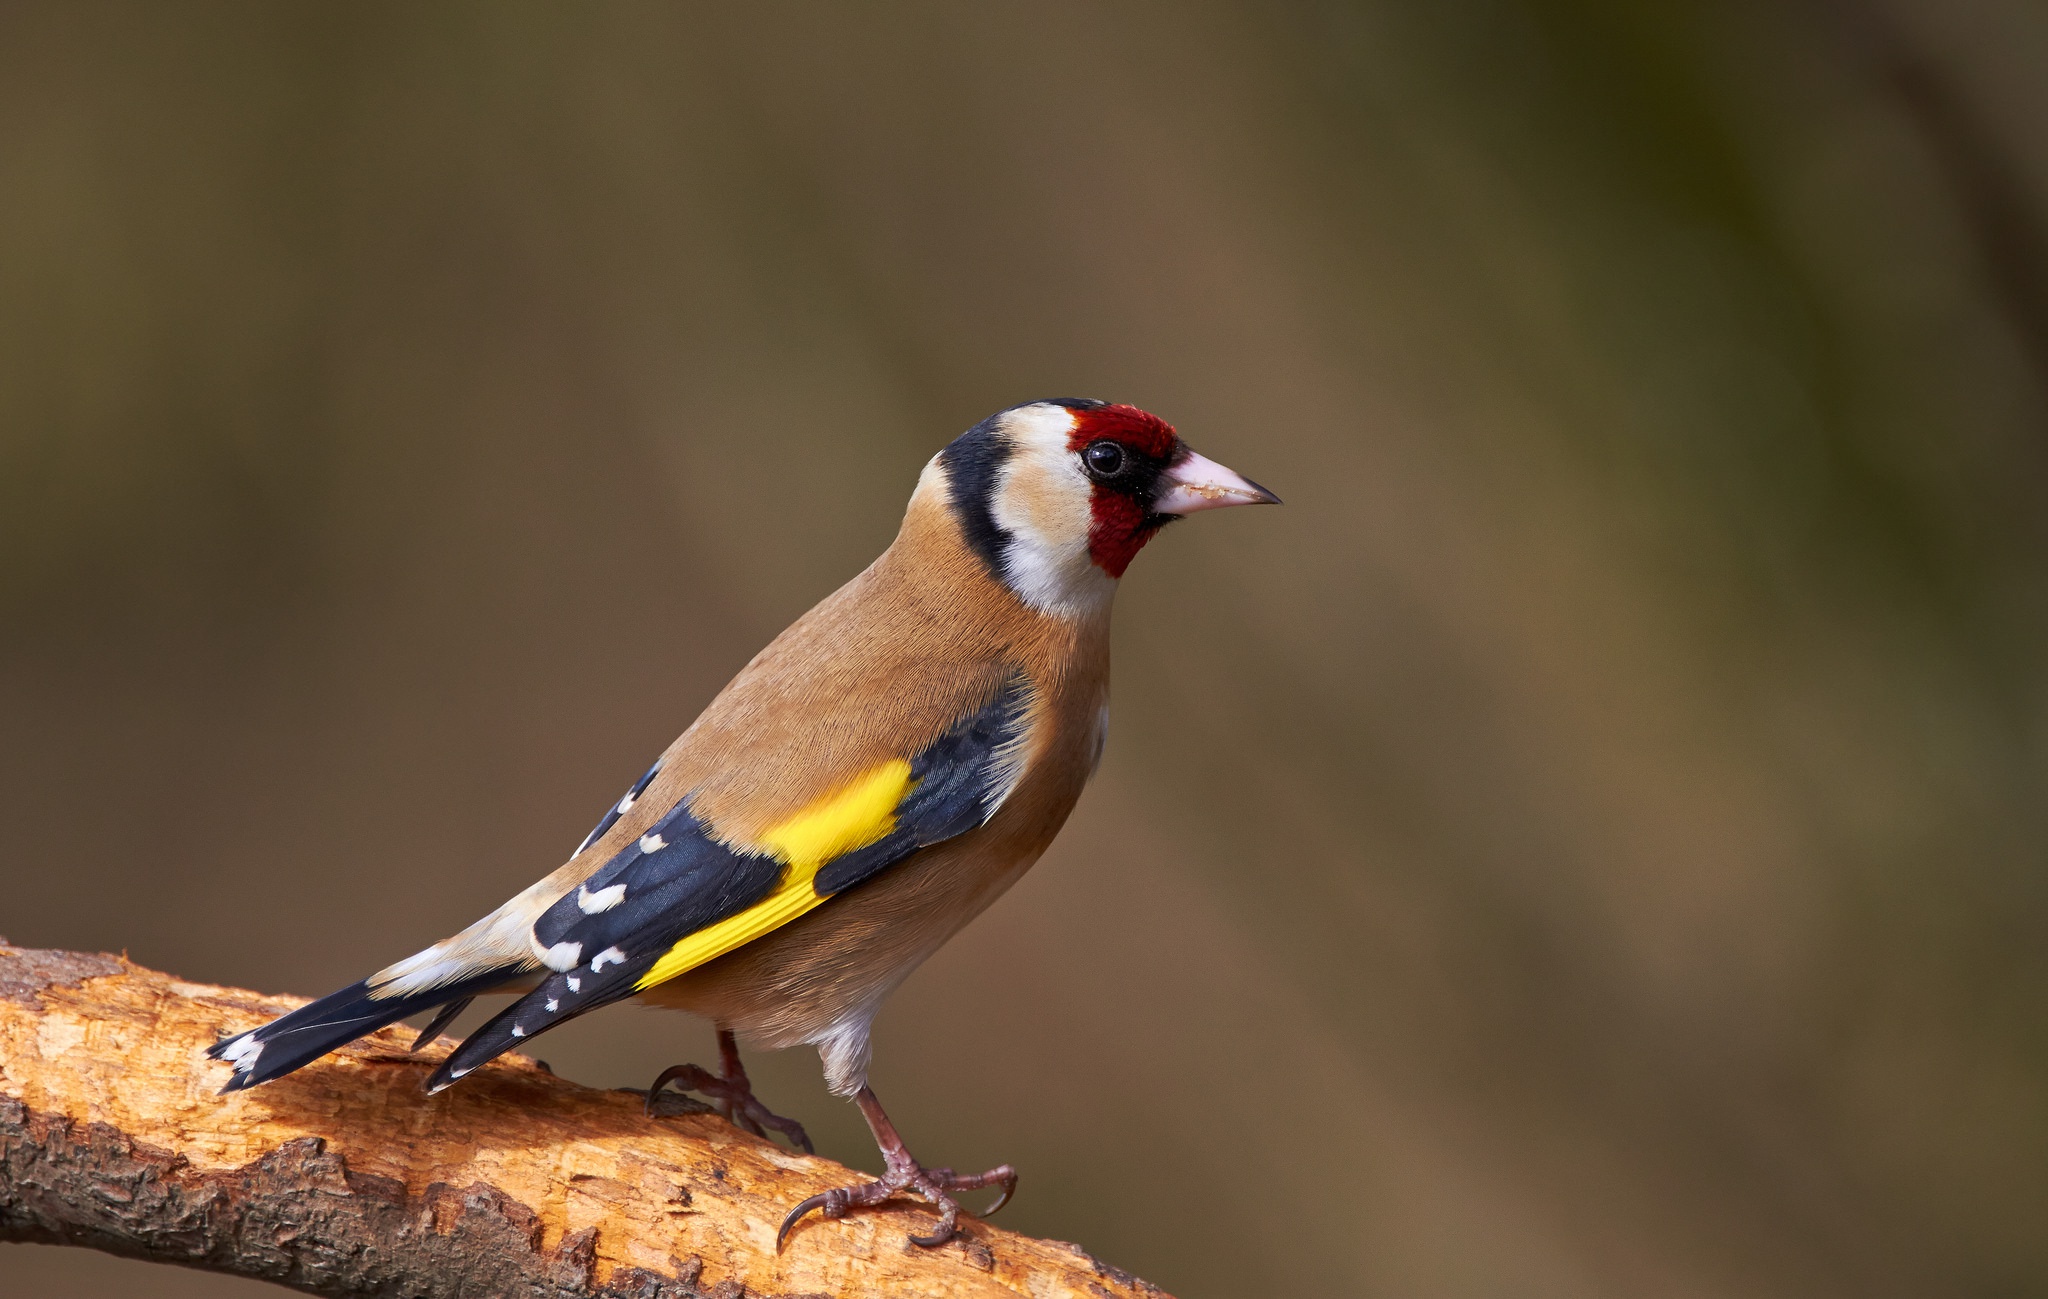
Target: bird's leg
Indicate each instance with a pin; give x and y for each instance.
(731, 1092)
(902, 1173)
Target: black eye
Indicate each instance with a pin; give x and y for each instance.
(1103, 458)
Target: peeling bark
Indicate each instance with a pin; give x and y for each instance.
(346, 1179)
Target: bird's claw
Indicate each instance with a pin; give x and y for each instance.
(933, 1184)
(734, 1098)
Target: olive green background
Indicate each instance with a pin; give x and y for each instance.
(1589, 842)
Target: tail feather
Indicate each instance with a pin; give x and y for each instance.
(439, 1023)
(335, 1020)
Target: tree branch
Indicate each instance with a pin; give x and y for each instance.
(346, 1179)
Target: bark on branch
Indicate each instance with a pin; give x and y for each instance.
(345, 1179)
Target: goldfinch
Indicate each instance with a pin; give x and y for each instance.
(871, 781)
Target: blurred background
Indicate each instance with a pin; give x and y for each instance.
(1606, 857)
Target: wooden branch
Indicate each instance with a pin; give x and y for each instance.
(346, 1179)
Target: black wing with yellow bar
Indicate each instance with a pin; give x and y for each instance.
(680, 896)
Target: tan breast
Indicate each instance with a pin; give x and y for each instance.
(913, 642)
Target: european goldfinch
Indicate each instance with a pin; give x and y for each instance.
(860, 791)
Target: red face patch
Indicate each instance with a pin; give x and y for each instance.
(1140, 430)
(1119, 524)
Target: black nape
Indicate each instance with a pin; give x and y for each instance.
(972, 461)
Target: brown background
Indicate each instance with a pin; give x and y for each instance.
(1588, 843)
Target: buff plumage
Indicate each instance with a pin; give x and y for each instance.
(874, 779)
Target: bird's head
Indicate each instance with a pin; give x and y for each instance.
(1057, 496)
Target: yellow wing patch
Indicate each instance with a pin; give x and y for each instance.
(838, 823)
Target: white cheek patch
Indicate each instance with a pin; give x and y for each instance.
(1042, 499)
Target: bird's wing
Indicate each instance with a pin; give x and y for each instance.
(683, 893)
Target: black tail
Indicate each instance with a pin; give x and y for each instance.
(335, 1020)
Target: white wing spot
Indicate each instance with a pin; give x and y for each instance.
(611, 955)
(518, 1031)
(626, 804)
(652, 843)
(603, 900)
(575, 985)
(562, 956)
(554, 1005)
(242, 1052)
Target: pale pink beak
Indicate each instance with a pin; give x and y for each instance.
(1195, 482)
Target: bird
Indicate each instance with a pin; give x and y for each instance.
(867, 785)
